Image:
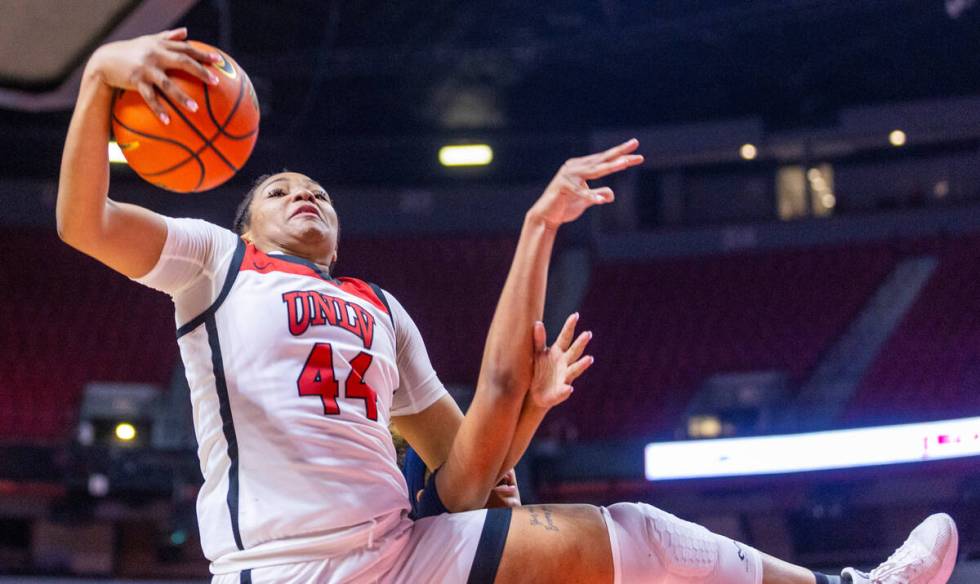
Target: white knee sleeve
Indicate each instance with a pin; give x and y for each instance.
(651, 546)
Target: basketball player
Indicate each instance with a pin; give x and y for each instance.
(294, 375)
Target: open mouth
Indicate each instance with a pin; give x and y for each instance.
(305, 210)
(506, 487)
(505, 491)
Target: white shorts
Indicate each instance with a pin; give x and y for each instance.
(459, 548)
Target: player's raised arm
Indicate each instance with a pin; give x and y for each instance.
(484, 443)
(125, 237)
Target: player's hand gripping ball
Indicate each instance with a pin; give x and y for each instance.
(198, 150)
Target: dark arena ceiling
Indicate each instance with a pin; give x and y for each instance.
(330, 73)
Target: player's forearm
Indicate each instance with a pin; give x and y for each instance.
(465, 486)
(527, 426)
(487, 433)
(507, 358)
(507, 367)
(84, 181)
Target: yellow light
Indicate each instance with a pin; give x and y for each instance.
(897, 138)
(748, 151)
(466, 155)
(704, 427)
(814, 174)
(125, 432)
(829, 200)
(115, 153)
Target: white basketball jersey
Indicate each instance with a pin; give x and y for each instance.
(294, 377)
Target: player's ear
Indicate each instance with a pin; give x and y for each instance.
(247, 236)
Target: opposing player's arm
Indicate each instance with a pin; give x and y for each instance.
(477, 457)
(482, 450)
(127, 238)
(555, 369)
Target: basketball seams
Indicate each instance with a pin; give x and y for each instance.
(234, 109)
(239, 142)
(192, 154)
(208, 143)
(200, 134)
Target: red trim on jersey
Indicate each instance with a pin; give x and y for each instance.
(361, 289)
(263, 263)
(258, 261)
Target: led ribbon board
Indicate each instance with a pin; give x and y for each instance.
(790, 453)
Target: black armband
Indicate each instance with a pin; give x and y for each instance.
(430, 503)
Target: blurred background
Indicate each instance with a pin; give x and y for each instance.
(799, 253)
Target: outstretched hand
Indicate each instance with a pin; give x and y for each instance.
(568, 194)
(141, 64)
(558, 366)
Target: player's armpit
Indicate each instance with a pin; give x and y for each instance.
(129, 240)
(431, 432)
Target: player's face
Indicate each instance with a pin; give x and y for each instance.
(293, 213)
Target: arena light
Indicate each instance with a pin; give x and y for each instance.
(834, 449)
(125, 432)
(178, 537)
(704, 427)
(115, 153)
(466, 155)
(897, 138)
(748, 151)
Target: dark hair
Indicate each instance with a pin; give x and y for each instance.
(243, 215)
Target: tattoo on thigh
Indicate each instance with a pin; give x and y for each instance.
(548, 524)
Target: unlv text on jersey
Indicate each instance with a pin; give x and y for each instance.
(311, 308)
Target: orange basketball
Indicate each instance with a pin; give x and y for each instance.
(198, 150)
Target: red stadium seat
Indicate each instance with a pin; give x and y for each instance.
(662, 327)
(69, 321)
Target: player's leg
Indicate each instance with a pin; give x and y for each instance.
(635, 543)
(557, 543)
(625, 543)
(452, 548)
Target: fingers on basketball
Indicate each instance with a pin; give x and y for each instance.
(199, 149)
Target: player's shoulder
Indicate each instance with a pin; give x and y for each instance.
(369, 291)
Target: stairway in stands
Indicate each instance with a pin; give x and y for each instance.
(838, 374)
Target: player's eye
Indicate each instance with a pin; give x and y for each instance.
(277, 193)
(321, 195)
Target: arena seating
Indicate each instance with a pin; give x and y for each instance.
(930, 367)
(91, 324)
(662, 328)
(68, 320)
